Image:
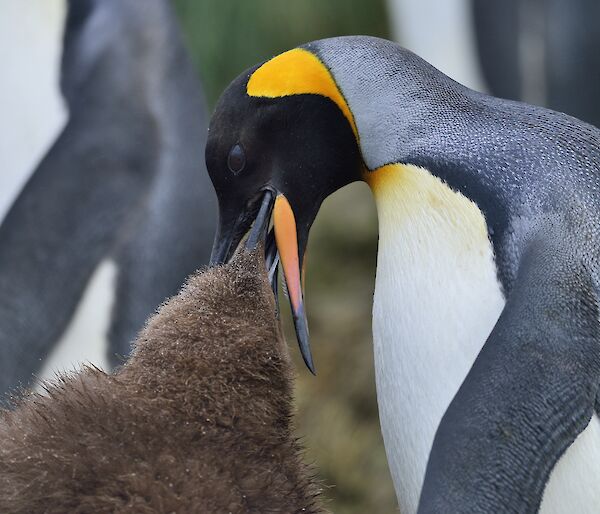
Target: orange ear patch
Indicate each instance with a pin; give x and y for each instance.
(298, 72)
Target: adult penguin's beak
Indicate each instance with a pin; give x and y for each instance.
(286, 239)
(282, 245)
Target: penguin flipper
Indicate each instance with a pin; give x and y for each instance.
(62, 224)
(162, 252)
(530, 392)
(175, 226)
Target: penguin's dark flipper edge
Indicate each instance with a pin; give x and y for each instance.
(530, 392)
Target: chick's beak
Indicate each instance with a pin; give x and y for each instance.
(281, 246)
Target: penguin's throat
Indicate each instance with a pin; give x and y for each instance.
(437, 298)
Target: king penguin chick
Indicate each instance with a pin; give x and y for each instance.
(485, 317)
(198, 419)
(114, 188)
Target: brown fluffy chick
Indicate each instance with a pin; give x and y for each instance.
(198, 420)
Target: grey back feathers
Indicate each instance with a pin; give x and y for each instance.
(197, 420)
(517, 162)
(124, 180)
(389, 92)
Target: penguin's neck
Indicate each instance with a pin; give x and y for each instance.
(437, 297)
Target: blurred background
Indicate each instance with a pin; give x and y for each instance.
(149, 76)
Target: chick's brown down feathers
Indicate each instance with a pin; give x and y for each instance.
(198, 420)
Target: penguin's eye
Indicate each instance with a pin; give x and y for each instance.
(236, 159)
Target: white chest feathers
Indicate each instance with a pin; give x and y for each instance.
(33, 113)
(437, 299)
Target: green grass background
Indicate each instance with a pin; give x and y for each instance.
(337, 410)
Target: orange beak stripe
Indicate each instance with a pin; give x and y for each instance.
(286, 238)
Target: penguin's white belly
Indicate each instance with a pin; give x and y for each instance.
(574, 484)
(85, 338)
(437, 299)
(33, 111)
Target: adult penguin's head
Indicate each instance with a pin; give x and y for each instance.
(281, 140)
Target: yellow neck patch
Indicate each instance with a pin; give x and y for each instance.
(406, 193)
(298, 72)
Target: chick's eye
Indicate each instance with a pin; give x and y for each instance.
(236, 159)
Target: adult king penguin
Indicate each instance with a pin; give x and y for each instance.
(485, 318)
(122, 184)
